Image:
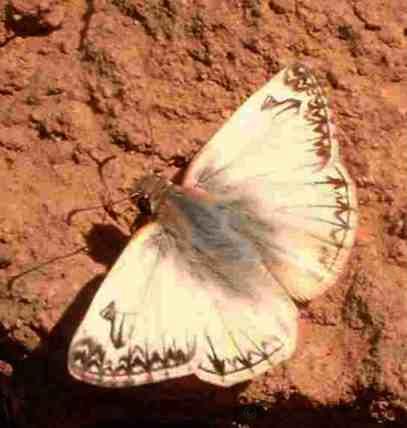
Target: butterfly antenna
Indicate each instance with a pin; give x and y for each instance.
(14, 278)
(101, 164)
(149, 105)
(108, 202)
(106, 206)
(153, 145)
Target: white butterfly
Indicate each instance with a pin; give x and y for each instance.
(266, 215)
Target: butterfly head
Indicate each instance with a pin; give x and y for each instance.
(149, 191)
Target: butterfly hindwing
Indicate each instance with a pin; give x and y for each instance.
(245, 337)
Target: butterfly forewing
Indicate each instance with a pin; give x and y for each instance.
(141, 326)
(277, 160)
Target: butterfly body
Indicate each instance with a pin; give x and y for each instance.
(266, 215)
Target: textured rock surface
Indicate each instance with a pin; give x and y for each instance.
(149, 82)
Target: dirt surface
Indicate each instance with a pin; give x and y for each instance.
(143, 85)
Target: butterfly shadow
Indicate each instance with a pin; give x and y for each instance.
(104, 243)
(48, 390)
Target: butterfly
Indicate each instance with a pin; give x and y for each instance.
(265, 216)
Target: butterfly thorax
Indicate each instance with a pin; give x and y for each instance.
(150, 192)
(153, 195)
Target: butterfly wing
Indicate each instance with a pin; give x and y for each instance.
(243, 337)
(276, 160)
(188, 301)
(134, 331)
